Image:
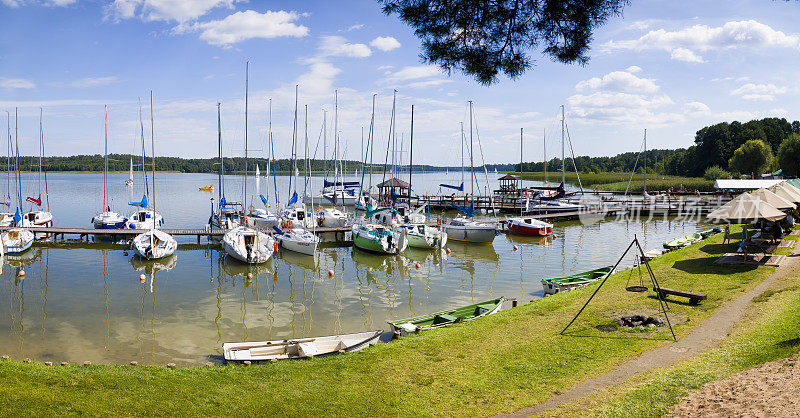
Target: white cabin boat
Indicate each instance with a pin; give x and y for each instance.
(470, 230)
(154, 244)
(248, 245)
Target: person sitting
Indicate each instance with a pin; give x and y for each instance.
(777, 232)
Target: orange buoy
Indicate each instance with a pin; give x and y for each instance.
(417, 266)
(22, 273)
(249, 276)
(516, 248)
(447, 250)
(288, 223)
(330, 273)
(142, 278)
(275, 246)
(555, 236)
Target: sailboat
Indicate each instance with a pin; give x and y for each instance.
(243, 243)
(295, 214)
(129, 181)
(329, 217)
(37, 217)
(262, 218)
(154, 244)
(225, 215)
(420, 234)
(7, 218)
(107, 219)
(466, 228)
(16, 240)
(370, 236)
(144, 218)
(295, 237)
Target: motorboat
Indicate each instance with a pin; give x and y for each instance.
(529, 226)
(330, 217)
(470, 230)
(154, 244)
(262, 219)
(296, 216)
(144, 219)
(248, 245)
(108, 220)
(425, 236)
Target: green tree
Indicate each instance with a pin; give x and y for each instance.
(482, 38)
(789, 155)
(753, 157)
(716, 172)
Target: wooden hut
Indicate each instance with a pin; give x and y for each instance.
(508, 185)
(400, 187)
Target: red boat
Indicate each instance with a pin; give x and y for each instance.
(530, 226)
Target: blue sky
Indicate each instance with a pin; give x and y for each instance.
(670, 67)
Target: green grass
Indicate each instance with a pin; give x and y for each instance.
(500, 363)
(618, 182)
(769, 332)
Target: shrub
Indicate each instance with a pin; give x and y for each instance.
(716, 172)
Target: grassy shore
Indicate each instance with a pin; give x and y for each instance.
(618, 182)
(500, 363)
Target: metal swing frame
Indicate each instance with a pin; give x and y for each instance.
(662, 302)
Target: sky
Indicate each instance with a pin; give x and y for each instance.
(665, 66)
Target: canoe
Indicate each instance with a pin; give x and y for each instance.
(554, 285)
(299, 348)
(683, 241)
(403, 327)
(709, 232)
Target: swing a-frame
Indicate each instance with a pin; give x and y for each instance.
(653, 280)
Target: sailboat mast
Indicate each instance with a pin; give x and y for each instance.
(520, 150)
(644, 189)
(272, 155)
(41, 143)
(462, 156)
(544, 153)
(105, 159)
(292, 175)
(153, 151)
(246, 91)
(411, 156)
(8, 160)
(471, 161)
(219, 146)
(563, 163)
(335, 145)
(305, 168)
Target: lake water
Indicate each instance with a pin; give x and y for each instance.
(76, 304)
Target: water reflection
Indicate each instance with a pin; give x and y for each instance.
(183, 311)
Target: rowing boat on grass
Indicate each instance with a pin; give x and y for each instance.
(683, 241)
(299, 348)
(403, 327)
(554, 285)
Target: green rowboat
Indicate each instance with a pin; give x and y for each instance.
(554, 285)
(403, 327)
(683, 242)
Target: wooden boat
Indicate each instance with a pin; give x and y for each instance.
(709, 232)
(683, 241)
(206, 188)
(299, 348)
(554, 285)
(403, 327)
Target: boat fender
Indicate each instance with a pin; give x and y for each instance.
(275, 246)
(438, 220)
(447, 250)
(330, 273)
(252, 208)
(417, 266)
(515, 248)
(22, 274)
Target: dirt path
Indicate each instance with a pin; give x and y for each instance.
(715, 328)
(768, 390)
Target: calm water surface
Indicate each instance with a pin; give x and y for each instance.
(78, 304)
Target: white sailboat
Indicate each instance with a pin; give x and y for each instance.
(37, 217)
(262, 218)
(466, 228)
(16, 240)
(7, 218)
(243, 243)
(129, 181)
(330, 217)
(107, 219)
(154, 244)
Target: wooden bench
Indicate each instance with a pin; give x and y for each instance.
(694, 298)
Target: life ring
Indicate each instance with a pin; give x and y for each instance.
(252, 208)
(438, 220)
(288, 223)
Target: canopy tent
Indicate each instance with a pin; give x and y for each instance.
(792, 187)
(794, 182)
(772, 199)
(743, 185)
(745, 209)
(785, 191)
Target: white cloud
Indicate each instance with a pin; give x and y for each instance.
(166, 10)
(633, 69)
(619, 81)
(684, 43)
(415, 72)
(683, 54)
(385, 43)
(337, 46)
(764, 92)
(697, 108)
(10, 3)
(355, 27)
(428, 83)
(61, 3)
(16, 83)
(245, 25)
(94, 81)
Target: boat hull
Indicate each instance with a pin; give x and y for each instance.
(159, 246)
(248, 245)
(299, 348)
(16, 241)
(404, 327)
(538, 229)
(483, 235)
